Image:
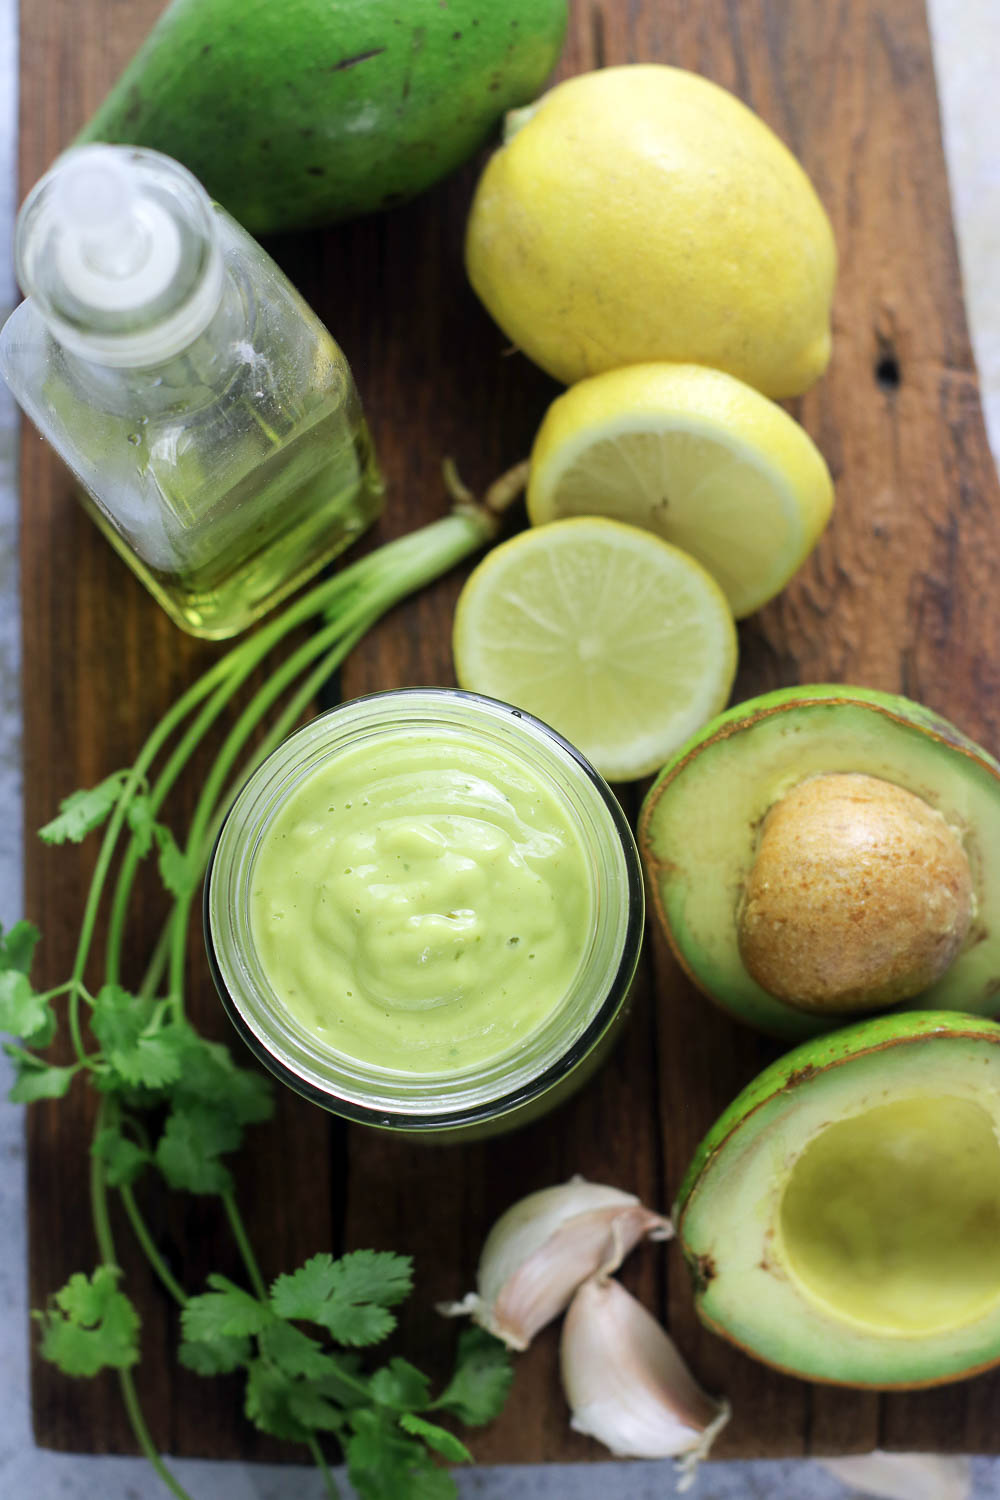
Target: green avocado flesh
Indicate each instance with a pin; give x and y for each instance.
(841, 1219)
(914, 1186)
(699, 824)
(294, 113)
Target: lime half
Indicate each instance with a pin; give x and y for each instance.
(621, 642)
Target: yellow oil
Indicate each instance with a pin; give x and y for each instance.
(268, 533)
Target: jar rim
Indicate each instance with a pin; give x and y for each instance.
(284, 769)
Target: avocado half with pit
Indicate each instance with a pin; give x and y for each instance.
(841, 1219)
(823, 852)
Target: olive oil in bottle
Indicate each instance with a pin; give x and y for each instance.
(210, 419)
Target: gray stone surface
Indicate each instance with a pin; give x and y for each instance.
(967, 49)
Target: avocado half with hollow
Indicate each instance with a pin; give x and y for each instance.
(820, 852)
(841, 1219)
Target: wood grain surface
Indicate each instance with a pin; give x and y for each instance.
(900, 595)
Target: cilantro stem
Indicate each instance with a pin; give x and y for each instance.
(137, 774)
(76, 1035)
(178, 759)
(106, 1114)
(13, 1049)
(243, 1245)
(141, 1231)
(330, 1484)
(130, 1396)
(157, 965)
(60, 989)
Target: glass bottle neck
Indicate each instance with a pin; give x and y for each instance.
(119, 251)
(192, 377)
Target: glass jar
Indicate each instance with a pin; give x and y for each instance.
(422, 835)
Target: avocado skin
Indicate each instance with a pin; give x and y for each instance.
(306, 112)
(797, 1068)
(824, 692)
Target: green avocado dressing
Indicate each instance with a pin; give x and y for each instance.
(421, 903)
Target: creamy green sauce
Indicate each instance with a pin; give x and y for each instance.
(422, 904)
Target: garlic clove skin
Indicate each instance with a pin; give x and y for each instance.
(542, 1287)
(541, 1249)
(903, 1476)
(627, 1385)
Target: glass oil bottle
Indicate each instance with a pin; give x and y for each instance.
(211, 421)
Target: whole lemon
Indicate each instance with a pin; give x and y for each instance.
(642, 213)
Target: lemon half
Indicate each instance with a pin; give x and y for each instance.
(696, 456)
(623, 643)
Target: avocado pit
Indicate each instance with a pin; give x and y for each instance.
(859, 897)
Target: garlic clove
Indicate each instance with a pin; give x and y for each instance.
(904, 1476)
(541, 1249)
(627, 1385)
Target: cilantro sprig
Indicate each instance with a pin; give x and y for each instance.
(173, 1106)
(296, 1382)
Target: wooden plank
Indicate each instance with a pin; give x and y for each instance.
(899, 596)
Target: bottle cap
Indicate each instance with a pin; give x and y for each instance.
(117, 246)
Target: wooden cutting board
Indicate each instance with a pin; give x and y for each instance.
(901, 595)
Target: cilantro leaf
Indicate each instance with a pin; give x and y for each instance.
(35, 1078)
(228, 1311)
(401, 1386)
(140, 818)
(384, 1464)
(427, 1482)
(209, 1075)
(438, 1438)
(345, 1383)
(83, 811)
(348, 1296)
(124, 1159)
(118, 1019)
(24, 1013)
(178, 874)
(139, 1051)
(266, 1402)
(176, 871)
(295, 1353)
(480, 1380)
(92, 1326)
(188, 1151)
(153, 1062)
(17, 946)
(221, 1356)
(212, 1100)
(308, 1406)
(43, 1034)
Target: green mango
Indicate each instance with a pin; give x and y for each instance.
(296, 113)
